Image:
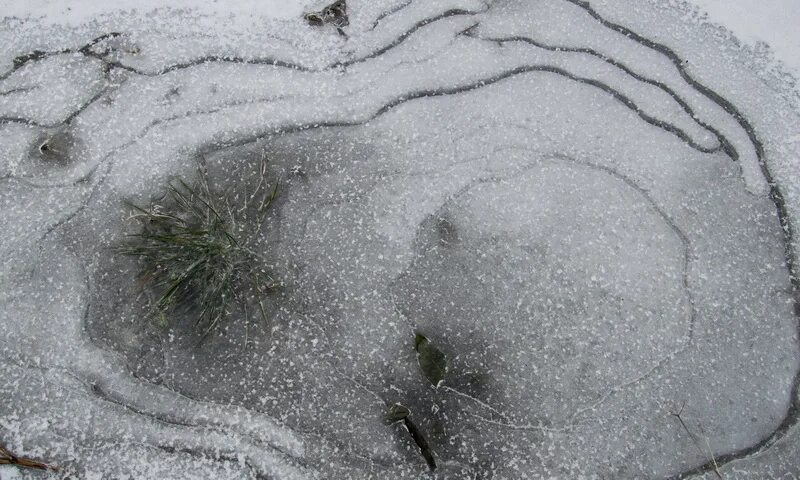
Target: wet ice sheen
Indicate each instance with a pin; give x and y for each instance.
(568, 226)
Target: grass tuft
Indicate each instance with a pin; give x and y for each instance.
(195, 250)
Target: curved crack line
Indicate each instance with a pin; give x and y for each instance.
(776, 196)
(384, 404)
(524, 69)
(31, 181)
(665, 360)
(457, 90)
(213, 453)
(92, 447)
(67, 120)
(727, 147)
(145, 130)
(68, 466)
(259, 101)
(16, 90)
(115, 399)
(477, 84)
(477, 401)
(86, 48)
(390, 12)
(425, 94)
(109, 65)
(350, 448)
(687, 256)
(210, 59)
(82, 205)
(286, 64)
(94, 388)
(523, 427)
(506, 420)
(620, 97)
(86, 51)
(404, 36)
(685, 267)
(37, 55)
(414, 96)
(270, 99)
(221, 108)
(21, 121)
(93, 385)
(98, 392)
(215, 456)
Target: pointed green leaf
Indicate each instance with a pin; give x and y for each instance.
(432, 361)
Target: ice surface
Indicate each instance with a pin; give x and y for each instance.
(771, 23)
(589, 208)
(81, 11)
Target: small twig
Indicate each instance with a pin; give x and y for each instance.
(8, 458)
(708, 455)
(266, 203)
(422, 443)
(711, 453)
(399, 413)
(243, 304)
(261, 177)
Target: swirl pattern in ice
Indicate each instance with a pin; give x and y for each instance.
(589, 207)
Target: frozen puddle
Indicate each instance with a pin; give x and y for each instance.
(588, 208)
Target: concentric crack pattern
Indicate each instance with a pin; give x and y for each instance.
(400, 170)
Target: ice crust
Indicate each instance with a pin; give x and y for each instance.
(587, 230)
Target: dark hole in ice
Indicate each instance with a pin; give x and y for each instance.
(54, 149)
(448, 234)
(314, 19)
(334, 14)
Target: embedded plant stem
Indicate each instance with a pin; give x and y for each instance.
(400, 413)
(8, 458)
(710, 454)
(419, 439)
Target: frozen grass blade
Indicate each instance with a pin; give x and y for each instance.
(192, 254)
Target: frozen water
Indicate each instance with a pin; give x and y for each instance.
(588, 207)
